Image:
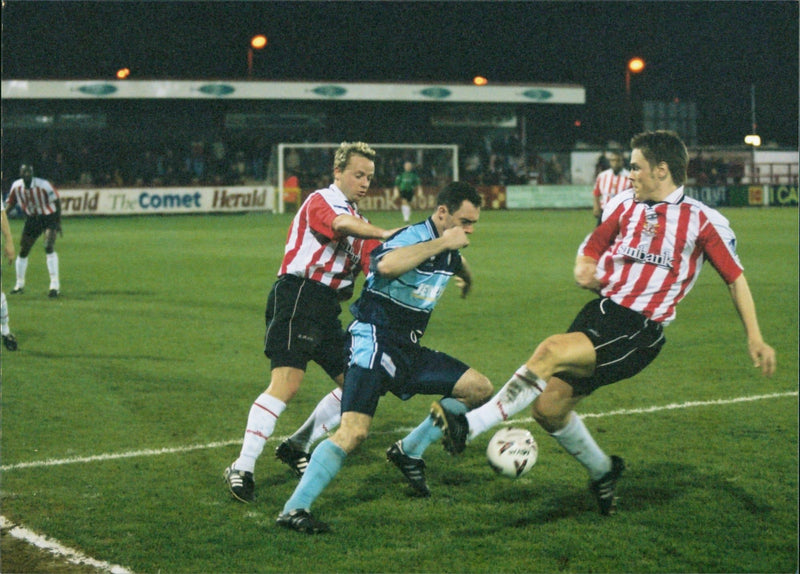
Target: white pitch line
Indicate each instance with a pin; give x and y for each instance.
(182, 449)
(57, 549)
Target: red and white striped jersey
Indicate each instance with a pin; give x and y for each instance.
(608, 184)
(39, 199)
(314, 251)
(649, 256)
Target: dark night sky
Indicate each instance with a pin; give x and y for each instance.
(708, 52)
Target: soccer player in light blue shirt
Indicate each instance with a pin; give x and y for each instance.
(408, 274)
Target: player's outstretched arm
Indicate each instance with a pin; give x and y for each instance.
(763, 355)
(353, 226)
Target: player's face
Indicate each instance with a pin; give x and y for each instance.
(354, 180)
(26, 173)
(642, 177)
(465, 217)
(615, 161)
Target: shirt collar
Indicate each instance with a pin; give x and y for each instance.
(674, 198)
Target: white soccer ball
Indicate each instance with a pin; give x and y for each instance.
(512, 452)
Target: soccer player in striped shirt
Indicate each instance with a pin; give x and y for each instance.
(328, 243)
(609, 183)
(641, 261)
(41, 204)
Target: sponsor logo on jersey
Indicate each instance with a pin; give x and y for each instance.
(663, 259)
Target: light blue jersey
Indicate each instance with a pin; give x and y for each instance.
(404, 304)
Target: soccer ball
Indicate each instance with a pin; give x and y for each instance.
(512, 452)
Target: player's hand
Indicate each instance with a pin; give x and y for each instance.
(763, 356)
(8, 252)
(464, 285)
(455, 238)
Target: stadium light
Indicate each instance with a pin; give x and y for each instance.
(753, 140)
(480, 81)
(123, 73)
(635, 66)
(257, 42)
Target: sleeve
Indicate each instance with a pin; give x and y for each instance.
(719, 245)
(11, 201)
(599, 240)
(367, 247)
(596, 190)
(320, 216)
(407, 236)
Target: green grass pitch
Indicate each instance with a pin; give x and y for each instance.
(129, 395)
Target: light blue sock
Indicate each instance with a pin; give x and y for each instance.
(427, 433)
(325, 462)
(415, 443)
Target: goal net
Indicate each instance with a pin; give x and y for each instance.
(298, 169)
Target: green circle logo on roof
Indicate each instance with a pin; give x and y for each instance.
(330, 91)
(436, 93)
(98, 89)
(217, 89)
(538, 94)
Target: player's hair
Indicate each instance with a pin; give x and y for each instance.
(666, 146)
(348, 149)
(454, 194)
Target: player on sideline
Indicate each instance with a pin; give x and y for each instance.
(41, 204)
(408, 274)
(328, 242)
(609, 183)
(641, 261)
(9, 340)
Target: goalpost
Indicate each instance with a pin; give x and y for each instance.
(312, 164)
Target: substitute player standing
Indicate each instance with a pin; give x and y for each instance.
(41, 204)
(641, 261)
(609, 183)
(328, 243)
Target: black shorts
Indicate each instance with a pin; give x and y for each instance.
(407, 194)
(302, 318)
(625, 343)
(35, 225)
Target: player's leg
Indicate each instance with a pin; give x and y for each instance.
(52, 261)
(463, 388)
(9, 340)
(261, 420)
(324, 419)
(331, 355)
(360, 396)
(572, 352)
(30, 233)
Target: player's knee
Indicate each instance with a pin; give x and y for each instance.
(550, 414)
(475, 390)
(348, 437)
(543, 358)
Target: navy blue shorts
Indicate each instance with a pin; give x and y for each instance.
(625, 343)
(303, 325)
(380, 363)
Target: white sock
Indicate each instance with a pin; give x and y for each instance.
(518, 392)
(406, 211)
(260, 424)
(4, 328)
(326, 416)
(52, 268)
(576, 440)
(21, 265)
